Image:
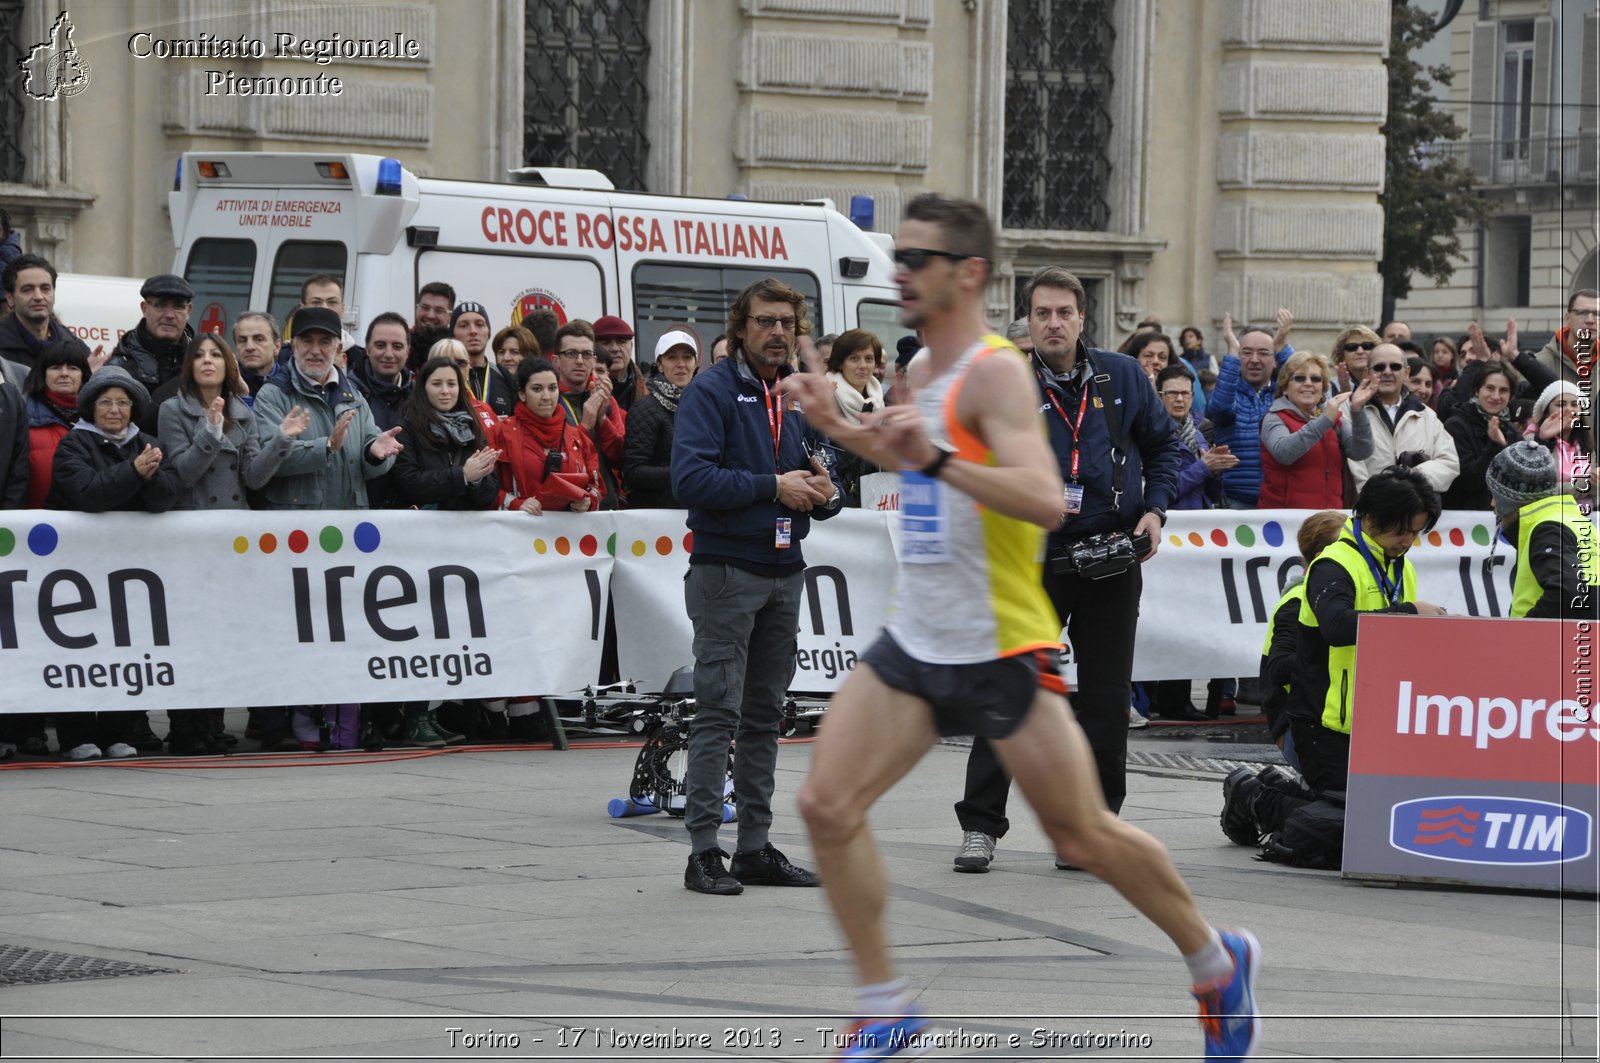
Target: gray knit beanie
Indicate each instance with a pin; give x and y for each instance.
(1521, 473)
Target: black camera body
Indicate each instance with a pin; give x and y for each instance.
(552, 461)
(1096, 557)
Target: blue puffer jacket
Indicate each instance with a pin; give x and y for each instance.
(1150, 478)
(723, 470)
(1236, 409)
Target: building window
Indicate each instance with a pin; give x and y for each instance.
(1508, 261)
(1516, 90)
(1058, 114)
(12, 161)
(584, 90)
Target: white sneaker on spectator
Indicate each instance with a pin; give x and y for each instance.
(87, 751)
(1136, 719)
(120, 751)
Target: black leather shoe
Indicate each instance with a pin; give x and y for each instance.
(768, 867)
(1187, 712)
(706, 874)
(142, 738)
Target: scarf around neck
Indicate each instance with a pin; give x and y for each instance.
(851, 401)
(666, 392)
(550, 432)
(452, 427)
(1187, 434)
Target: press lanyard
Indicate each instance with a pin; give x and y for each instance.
(1072, 426)
(1390, 585)
(774, 423)
(484, 397)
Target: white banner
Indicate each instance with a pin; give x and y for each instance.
(194, 610)
(1210, 590)
(849, 573)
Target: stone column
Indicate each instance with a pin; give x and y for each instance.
(1300, 164)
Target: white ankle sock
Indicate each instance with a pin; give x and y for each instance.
(1210, 963)
(886, 999)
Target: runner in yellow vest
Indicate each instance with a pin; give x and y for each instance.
(1558, 552)
(1364, 571)
(1278, 652)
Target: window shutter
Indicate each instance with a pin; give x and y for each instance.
(1480, 115)
(1539, 124)
(1588, 120)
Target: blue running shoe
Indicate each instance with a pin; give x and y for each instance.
(900, 1038)
(1228, 1012)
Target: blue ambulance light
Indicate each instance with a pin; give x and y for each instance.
(177, 178)
(737, 195)
(862, 211)
(389, 172)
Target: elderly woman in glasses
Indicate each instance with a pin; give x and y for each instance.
(1306, 437)
(105, 464)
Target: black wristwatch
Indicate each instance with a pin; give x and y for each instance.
(934, 467)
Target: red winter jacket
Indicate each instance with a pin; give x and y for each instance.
(524, 441)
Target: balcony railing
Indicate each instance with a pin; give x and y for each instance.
(1528, 162)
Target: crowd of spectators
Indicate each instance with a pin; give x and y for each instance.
(453, 410)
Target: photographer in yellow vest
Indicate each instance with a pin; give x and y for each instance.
(1364, 571)
(1557, 571)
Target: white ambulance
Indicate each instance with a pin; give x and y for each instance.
(249, 227)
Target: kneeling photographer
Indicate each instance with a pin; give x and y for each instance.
(1116, 447)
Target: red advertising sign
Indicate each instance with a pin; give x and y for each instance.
(1475, 753)
(214, 319)
(1468, 698)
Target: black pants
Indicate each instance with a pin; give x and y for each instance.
(1101, 617)
(1326, 769)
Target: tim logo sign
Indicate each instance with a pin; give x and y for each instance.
(1490, 830)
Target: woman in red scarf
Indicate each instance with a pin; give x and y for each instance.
(52, 393)
(545, 462)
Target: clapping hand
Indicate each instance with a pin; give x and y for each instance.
(1228, 337)
(1285, 323)
(597, 402)
(214, 414)
(147, 462)
(386, 446)
(481, 464)
(295, 422)
(99, 358)
(1363, 393)
(341, 428)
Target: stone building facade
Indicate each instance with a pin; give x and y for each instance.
(1526, 96)
(1185, 157)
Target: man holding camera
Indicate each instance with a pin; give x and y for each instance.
(1119, 460)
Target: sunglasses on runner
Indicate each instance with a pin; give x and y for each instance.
(915, 258)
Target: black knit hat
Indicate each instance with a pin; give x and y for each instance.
(1521, 473)
(468, 308)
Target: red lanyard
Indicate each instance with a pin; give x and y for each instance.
(774, 423)
(1072, 426)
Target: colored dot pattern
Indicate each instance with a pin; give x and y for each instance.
(42, 539)
(8, 541)
(365, 537)
(1272, 535)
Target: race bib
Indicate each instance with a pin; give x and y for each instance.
(924, 520)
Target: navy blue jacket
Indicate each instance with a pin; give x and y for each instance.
(1150, 477)
(723, 471)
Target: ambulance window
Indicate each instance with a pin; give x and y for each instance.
(700, 296)
(883, 321)
(220, 272)
(297, 260)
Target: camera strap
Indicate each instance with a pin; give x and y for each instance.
(1119, 442)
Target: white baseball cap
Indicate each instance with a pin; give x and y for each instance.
(675, 338)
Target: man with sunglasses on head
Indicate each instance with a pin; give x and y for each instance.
(1404, 431)
(742, 463)
(972, 642)
(1246, 389)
